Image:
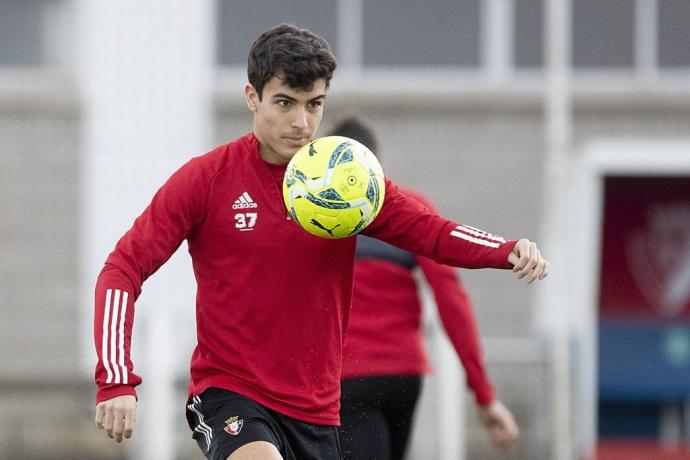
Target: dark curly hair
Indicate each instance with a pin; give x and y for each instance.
(296, 56)
(356, 128)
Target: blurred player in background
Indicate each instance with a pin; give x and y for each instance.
(384, 357)
(272, 300)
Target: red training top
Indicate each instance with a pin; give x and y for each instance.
(272, 300)
(384, 336)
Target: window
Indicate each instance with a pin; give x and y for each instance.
(35, 33)
(603, 33)
(635, 36)
(20, 33)
(410, 33)
(674, 33)
(529, 33)
(241, 22)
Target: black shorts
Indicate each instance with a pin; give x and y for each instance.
(223, 421)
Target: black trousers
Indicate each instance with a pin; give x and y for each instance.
(376, 416)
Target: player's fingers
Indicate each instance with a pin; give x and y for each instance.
(498, 436)
(530, 260)
(506, 441)
(545, 272)
(536, 272)
(521, 251)
(100, 413)
(512, 432)
(118, 422)
(108, 419)
(505, 435)
(130, 417)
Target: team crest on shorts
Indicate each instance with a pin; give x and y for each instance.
(233, 426)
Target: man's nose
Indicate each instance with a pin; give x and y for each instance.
(299, 120)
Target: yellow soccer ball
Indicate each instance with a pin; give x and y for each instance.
(333, 187)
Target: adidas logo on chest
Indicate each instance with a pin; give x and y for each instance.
(244, 202)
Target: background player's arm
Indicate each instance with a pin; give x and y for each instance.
(457, 315)
(459, 322)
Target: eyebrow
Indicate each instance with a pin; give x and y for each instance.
(285, 96)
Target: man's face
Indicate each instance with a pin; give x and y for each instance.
(285, 118)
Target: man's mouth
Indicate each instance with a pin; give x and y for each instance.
(297, 141)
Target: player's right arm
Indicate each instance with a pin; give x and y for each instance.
(117, 416)
(172, 215)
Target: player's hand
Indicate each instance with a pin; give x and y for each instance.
(117, 416)
(527, 261)
(499, 424)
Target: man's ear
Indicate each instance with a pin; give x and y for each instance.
(251, 96)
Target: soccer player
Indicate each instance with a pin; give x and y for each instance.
(384, 356)
(272, 300)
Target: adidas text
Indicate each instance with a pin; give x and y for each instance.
(244, 205)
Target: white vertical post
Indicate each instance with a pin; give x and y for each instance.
(449, 391)
(451, 413)
(646, 39)
(553, 301)
(145, 73)
(497, 38)
(585, 203)
(350, 35)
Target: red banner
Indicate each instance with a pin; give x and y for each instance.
(645, 269)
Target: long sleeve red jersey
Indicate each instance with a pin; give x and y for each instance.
(384, 335)
(272, 300)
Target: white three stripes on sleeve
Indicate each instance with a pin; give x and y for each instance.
(113, 342)
(474, 235)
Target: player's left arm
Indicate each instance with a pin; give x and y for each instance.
(406, 223)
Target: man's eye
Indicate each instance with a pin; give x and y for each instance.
(284, 103)
(315, 104)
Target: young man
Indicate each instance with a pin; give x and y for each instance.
(272, 300)
(384, 356)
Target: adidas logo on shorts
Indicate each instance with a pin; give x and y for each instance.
(244, 202)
